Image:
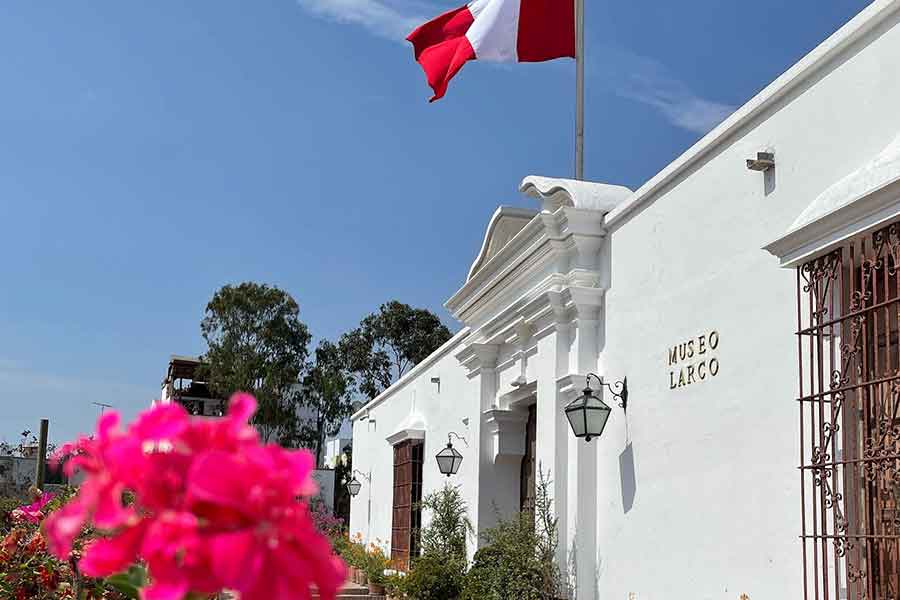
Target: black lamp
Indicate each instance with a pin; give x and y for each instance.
(353, 486)
(449, 458)
(588, 414)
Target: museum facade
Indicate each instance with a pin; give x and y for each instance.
(749, 299)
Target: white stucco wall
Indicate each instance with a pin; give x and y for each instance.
(443, 412)
(716, 509)
(695, 494)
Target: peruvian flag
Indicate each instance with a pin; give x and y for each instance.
(496, 30)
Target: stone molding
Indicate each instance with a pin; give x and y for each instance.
(412, 428)
(506, 429)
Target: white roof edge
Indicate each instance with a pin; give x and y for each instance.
(839, 41)
(412, 374)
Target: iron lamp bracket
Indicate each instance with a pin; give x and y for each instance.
(619, 389)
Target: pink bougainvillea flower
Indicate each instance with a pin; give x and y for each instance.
(105, 556)
(212, 507)
(33, 513)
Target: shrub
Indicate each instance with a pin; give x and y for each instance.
(518, 558)
(324, 520)
(440, 573)
(395, 584)
(354, 553)
(7, 505)
(28, 570)
(507, 566)
(376, 562)
(449, 527)
(436, 577)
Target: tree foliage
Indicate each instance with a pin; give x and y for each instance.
(326, 393)
(258, 344)
(389, 343)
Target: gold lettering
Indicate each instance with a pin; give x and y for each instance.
(685, 352)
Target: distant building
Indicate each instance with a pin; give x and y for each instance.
(184, 384)
(333, 449)
(17, 474)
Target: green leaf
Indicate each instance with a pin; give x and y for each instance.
(130, 582)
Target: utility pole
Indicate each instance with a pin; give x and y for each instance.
(41, 469)
(102, 406)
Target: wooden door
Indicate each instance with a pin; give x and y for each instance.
(407, 513)
(528, 473)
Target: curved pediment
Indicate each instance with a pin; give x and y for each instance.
(862, 200)
(877, 173)
(555, 193)
(503, 226)
(412, 428)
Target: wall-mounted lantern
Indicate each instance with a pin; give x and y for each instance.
(449, 459)
(353, 486)
(588, 414)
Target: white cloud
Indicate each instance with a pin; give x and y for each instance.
(386, 18)
(650, 82)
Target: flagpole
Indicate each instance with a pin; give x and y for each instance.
(579, 89)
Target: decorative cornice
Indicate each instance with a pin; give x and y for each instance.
(569, 387)
(588, 302)
(478, 357)
(517, 395)
(405, 434)
(568, 242)
(507, 431)
(556, 193)
(412, 428)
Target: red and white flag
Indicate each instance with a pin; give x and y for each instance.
(495, 30)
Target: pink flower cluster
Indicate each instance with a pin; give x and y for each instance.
(32, 513)
(212, 508)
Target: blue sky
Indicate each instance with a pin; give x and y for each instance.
(153, 151)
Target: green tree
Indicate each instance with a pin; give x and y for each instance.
(389, 343)
(258, 344)
(326, 393)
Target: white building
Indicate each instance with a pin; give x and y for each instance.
(694, 287)
(182, 385)
(334, 448)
